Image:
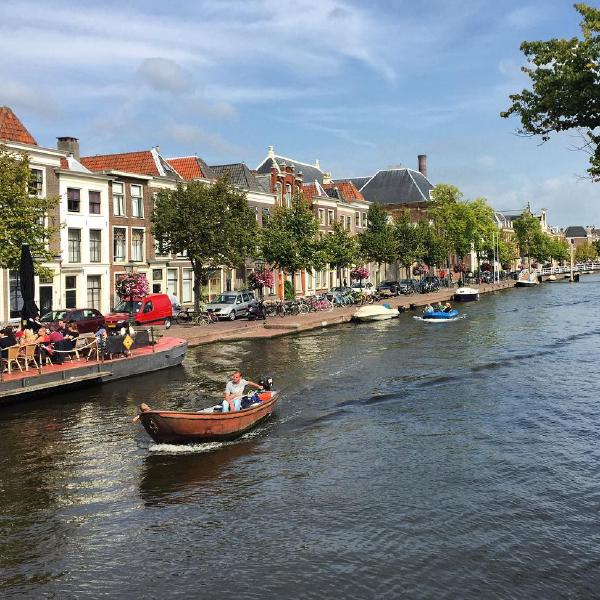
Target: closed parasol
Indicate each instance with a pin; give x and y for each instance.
(27, 282)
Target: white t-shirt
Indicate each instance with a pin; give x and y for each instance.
(237, 389)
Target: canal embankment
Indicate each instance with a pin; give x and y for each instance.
(197, 335)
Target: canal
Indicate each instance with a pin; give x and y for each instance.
(406, 459)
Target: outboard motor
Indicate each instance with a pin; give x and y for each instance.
(266, 383)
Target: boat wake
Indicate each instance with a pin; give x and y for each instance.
(186, 448)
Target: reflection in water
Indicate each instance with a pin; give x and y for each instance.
(404, 460)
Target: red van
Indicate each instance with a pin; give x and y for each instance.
(154, 309)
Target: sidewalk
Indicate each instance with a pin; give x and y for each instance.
(278, 326)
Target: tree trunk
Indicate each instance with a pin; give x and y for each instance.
(199, 277)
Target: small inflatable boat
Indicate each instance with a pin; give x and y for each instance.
(440, 315)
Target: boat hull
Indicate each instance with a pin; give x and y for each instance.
(172, 427)
(374, 313)
(466, 295)
(440, 316)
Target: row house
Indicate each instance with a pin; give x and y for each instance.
(79, 250)
(135, 177)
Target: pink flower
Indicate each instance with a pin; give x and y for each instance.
(132, 285)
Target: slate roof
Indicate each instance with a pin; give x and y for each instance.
(357, 182)
(343, 190)
(239, 175)
(396, 186)
(145, 162)
(11, 128)
(575, 231)
(191, 167)
(309, 172)
(264, 181)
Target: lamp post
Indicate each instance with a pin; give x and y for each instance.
(572, 278)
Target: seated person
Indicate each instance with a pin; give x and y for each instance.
(234, 390)
(428, 309)
(72, 331)
(28, 337)
(447, 308)
(42, 339)
(62, 328)
(7, 339)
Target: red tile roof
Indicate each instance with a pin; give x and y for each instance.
(310, 191)
(347, 189)
(187, 166)
(12, 130)
(130, 162)
(64, 163)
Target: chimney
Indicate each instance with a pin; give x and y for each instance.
(422, 158)
(70, 145)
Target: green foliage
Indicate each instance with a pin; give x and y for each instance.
(213, 224)
(288, 290)
(586, 253)
(21, 215)
(528, 232)
(433, 249)
(378, 243)
(407, 240)
(565, 84)
(558, 249)
(596, 244)
(290, 240)
(340, 249)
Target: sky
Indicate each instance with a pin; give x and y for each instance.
(361, 86)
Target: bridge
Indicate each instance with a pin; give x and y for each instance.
(578, 269)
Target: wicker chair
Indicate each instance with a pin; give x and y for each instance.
(27, 355)
(12, 358)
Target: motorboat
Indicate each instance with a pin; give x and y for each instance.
(375, 312)
(466, 294)
(440, 315)
(209, 424)
(527, 278)
(551, 278)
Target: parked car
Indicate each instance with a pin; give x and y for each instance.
(367, 287)
(388, 288)
(408, 286)
(87, 319)
(230, 305)
(154, 309)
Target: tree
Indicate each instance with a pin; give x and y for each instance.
(586, 253)
(212, 224)
(290, 240)
(340, 248)
(565, 87)
(432, 248)
(407, 241)
(559, 249)
(527, 230)
(377, 243)
(22, 212)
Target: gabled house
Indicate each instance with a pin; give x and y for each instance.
(135, 178)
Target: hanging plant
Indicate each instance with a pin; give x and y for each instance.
(261, 278)
(132, 285)
(359, 273)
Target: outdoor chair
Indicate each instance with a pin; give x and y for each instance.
(91, 344)
(27, 355)
(12, 357)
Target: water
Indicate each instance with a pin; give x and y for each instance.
(406, 459)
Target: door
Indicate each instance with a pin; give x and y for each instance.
(45, 299)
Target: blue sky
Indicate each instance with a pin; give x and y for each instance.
(359, 85)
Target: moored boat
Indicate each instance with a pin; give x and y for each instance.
(208, 425)
(375, 312)
(466, 294)
(527, 278)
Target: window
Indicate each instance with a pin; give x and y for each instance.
(364, 219)
(137, 201)
(118, 200)
(187, 285)
(357, 219)
(348, 223)
(119, 243)
(172, 281)
(321, 216)
(137, 245)
(256, 213)
(73, 200)
(266, 215)
(157, 275)
(74, 243)
(278, 192)
(93, 292)
(70, 291)
(94, 203)
(36, 182)
(16, 300)
(95, 245)
(330, 217)
(288, 195)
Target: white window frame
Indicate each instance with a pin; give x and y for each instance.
(99, 246)
(119, 200)
(69, 255)
(124, 259)
(187, 298)
(143, 246)
(139, 200)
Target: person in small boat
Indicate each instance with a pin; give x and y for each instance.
(234, 390)
(447, 308)
(428, 309)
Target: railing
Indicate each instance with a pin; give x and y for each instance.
(577, 268)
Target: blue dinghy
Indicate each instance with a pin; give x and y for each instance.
(440, 315)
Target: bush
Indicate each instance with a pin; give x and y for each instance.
(288, 291)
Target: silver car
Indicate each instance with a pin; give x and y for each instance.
(230, 305)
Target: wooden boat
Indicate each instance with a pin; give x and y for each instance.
(208, 425)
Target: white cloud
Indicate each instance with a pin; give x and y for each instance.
(164, 74)
(25, 97)
(193, 136)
